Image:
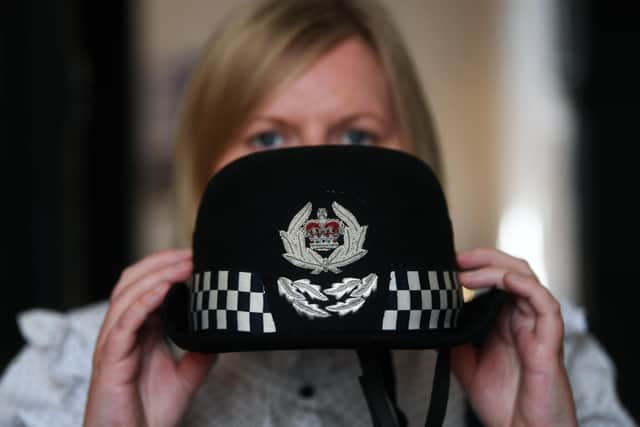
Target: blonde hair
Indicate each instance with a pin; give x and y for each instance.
(261, 48)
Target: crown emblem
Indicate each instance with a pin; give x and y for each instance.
(305, 238)
(323, 233)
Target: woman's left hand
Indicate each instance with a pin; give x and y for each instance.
(517, 378)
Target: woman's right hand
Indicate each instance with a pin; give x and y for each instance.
(135, 379)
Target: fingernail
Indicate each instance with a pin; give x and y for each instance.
(516, 277)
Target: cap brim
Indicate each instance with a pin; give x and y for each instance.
(475, 322)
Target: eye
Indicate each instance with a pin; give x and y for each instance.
(267, 140)
(358, 137)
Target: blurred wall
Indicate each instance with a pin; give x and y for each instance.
(538, 185)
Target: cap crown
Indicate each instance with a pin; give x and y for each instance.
(328, 240)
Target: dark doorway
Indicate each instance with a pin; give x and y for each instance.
(66, 83)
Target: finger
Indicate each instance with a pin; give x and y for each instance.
(526, 287)
(533, 299)
(172, 273)
(549, 325)
(122, 339)
(193, 369)
(464, 364)
(483, 278)
(489, 257)
(148, 264)
(169, 273)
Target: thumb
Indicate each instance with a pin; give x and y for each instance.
(193, 369)
(464, 361)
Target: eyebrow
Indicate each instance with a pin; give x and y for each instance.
(351, 117)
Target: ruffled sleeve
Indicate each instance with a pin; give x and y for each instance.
(592, 375)
(46, 383)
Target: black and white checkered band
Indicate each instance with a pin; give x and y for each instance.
(422, 300)
(230, 300)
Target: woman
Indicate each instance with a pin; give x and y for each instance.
(289, 73)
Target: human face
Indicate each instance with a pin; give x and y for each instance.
(342, 98)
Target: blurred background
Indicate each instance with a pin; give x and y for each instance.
(534, 103)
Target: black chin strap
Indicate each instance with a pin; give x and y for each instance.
(439, 389)
(378, 384)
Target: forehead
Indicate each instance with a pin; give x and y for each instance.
(348, 79)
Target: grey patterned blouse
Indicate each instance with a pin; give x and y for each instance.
(47, 382)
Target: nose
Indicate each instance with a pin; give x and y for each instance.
(314, 134)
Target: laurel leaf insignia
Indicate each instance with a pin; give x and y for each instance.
(300, 218)
(311, 310)
(299, 262)
(337, 252)
(304, 285)
(348, 306)
(289, 292)
(368, 285)
(338, 289)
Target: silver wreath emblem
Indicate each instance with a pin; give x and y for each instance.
(298, 254)
(300, 292)
(323, 233)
